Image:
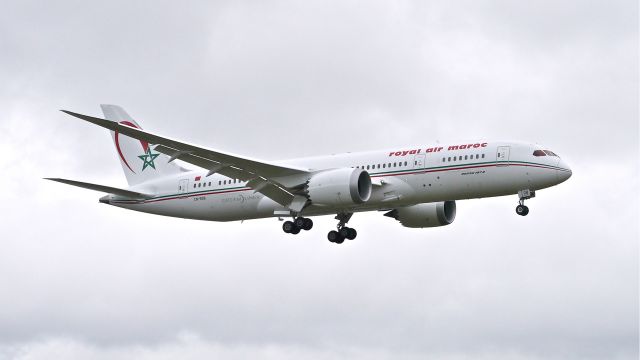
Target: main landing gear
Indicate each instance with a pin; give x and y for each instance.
(343, 232)
(523, 195)
(299, 223)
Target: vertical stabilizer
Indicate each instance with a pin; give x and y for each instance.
(140, 162)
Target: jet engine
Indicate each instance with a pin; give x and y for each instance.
(339, 187)
(425, 215)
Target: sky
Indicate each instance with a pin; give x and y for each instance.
(279, 79)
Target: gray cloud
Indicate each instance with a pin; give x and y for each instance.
(286, 79)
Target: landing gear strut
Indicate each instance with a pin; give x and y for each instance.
(343, 232)
(523, 195)
(299, 223)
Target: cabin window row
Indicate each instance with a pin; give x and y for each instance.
(462, 158)
(382, 166)
(220, 182)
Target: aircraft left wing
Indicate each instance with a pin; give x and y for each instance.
(108, 189)
(277, 182)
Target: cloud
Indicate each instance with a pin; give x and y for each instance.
(191, 346)
(278, 80)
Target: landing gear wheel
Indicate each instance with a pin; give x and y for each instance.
(308, 224)
(348, 233)
(522, 210)
(335, 237)
(303, 223)
(288, 227)
(295, 230)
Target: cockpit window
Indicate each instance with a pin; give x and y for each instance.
(550, 153)
(539, 153)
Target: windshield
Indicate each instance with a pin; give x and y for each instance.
(544, 153)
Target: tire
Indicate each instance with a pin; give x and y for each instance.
(288, 227)
(351, 234)
(308, 224)
(520, 210)
(344, 232)
(333, 236)
(526, 211)
(299, 222)
(295, 230)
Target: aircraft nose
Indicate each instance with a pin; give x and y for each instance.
(563, 172)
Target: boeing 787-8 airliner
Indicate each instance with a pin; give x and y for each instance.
(416, 185)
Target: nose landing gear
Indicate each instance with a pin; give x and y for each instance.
(523, 195)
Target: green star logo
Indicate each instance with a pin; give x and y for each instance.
(148, 158)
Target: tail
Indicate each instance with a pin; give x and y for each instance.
(140, 162)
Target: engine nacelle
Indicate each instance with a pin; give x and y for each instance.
(425, 215)
(340, 187)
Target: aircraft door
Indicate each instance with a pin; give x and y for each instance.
(183, 185)
(418, 161)
(503, 154)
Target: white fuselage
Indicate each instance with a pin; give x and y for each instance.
(401, 177)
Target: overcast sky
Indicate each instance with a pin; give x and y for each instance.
(274, 80)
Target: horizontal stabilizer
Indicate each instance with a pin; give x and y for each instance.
(107, 189)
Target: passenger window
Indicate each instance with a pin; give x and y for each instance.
(466, 156)
(405, 163)
(194, 186)
(389, 164)
(443, 159)
(539, 153)
(483, 156)
(477, 156)
(449, 158)
(455, 158)
(384, 166)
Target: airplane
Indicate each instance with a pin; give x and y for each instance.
(415, 185)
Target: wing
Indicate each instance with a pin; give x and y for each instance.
(280, 183)
(108, 189)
